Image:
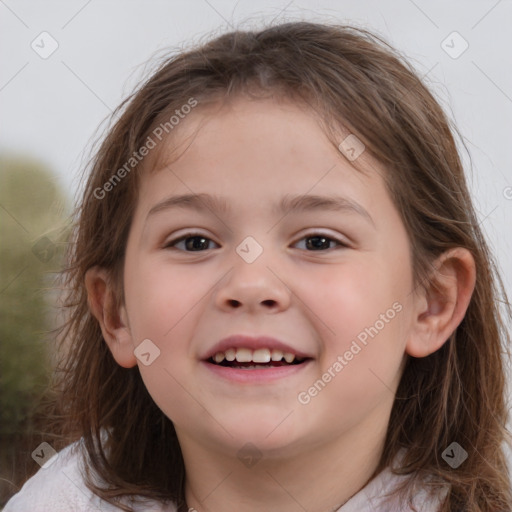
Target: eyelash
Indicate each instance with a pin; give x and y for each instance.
(318, 234)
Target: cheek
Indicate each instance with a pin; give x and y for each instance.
(362, 313)
(351, 297)
(162, 305)
(360, 368)
(160, 296)
(169, 389)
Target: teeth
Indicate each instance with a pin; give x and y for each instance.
(261, 355)
(288, 357)
(243, 355)
(218, 357)
(277, 355)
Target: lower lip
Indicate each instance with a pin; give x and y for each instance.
(256, 376)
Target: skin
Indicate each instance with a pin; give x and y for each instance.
(314, 456)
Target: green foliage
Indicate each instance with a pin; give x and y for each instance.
(33, 233)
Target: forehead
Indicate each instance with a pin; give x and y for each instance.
(261, 129)
(256, 147)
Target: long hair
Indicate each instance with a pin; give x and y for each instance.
(355, 81)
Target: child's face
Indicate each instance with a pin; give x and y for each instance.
(313, 294)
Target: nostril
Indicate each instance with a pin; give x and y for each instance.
(236, 304)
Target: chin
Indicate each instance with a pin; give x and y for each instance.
(268, 434)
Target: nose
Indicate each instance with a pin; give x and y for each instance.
(253, 287)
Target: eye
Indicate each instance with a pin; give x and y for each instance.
(194, 242)
(320, 242)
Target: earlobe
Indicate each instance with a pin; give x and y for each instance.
(111, 317)
(441, 306)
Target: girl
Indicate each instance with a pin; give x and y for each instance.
(280, 296)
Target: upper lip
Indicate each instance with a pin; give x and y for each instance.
(253, 343)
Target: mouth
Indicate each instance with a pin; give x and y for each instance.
(247, 359)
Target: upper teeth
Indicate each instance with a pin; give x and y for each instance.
(261, 355)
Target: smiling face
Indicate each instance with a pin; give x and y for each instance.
(322, 273)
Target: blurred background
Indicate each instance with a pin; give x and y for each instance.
(67, 65)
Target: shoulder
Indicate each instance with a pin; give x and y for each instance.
(59, 486)
(379, 495)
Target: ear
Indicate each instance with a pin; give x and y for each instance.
(441, 305)
(111, 317)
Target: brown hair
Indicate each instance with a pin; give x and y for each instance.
(355, 81)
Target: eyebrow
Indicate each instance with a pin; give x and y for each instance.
(289, 204)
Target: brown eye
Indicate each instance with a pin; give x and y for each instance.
(320, 242)
(191, 243)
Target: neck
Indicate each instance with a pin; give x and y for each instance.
(320, 477)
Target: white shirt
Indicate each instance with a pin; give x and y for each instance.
(59, 487)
